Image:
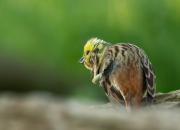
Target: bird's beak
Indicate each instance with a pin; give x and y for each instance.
(81, 60)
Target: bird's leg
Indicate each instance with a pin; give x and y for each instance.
(128, 106)
(96, 76)
(128, 103)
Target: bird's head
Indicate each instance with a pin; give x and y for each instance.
(93, 51)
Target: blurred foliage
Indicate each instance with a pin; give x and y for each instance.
(42, 41)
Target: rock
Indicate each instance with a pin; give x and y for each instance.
(46, 112)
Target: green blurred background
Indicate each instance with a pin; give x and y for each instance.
(41, 42)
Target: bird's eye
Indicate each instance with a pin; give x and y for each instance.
(87, 52)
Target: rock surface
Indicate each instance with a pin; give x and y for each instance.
(44, 112)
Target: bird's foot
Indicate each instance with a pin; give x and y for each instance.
(96, 78)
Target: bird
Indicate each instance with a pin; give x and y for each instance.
(123, 70)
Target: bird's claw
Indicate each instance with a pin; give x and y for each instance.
(96, 78)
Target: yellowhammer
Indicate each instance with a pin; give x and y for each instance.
(123, 70)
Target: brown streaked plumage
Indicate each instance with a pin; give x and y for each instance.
(123, 70)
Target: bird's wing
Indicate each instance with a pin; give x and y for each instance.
(149, 77)
(148, 74)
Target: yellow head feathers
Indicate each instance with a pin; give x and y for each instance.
(92, 46)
